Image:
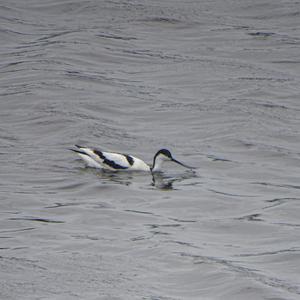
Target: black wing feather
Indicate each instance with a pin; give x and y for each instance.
(111, 163)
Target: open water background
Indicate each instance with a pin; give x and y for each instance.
(217, 83)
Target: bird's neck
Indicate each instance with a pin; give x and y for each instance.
(157, 163)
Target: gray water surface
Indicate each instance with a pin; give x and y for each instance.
(217, 83)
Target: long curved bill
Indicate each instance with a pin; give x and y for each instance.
(182, 164)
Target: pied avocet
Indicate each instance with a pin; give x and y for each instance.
(123, 162)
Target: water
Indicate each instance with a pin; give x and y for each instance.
(217, 83)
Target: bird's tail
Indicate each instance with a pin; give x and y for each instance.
(87, 155)
(79, 150)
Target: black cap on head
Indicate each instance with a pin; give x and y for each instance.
(165, 152)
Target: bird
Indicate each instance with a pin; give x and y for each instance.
(114, 161)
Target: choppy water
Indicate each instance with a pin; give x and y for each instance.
(217, 83)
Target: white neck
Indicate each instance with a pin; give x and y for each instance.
(158, 162)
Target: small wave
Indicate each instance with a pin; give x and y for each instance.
(36, 219)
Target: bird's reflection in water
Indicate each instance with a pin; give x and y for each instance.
(118, 177)
(107, 177)
(164, 182)
(158, 180)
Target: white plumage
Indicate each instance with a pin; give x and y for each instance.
(122, 162)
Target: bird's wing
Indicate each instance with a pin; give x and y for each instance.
(115, 161)
(109, 160)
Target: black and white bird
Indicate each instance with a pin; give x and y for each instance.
(123, 162)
